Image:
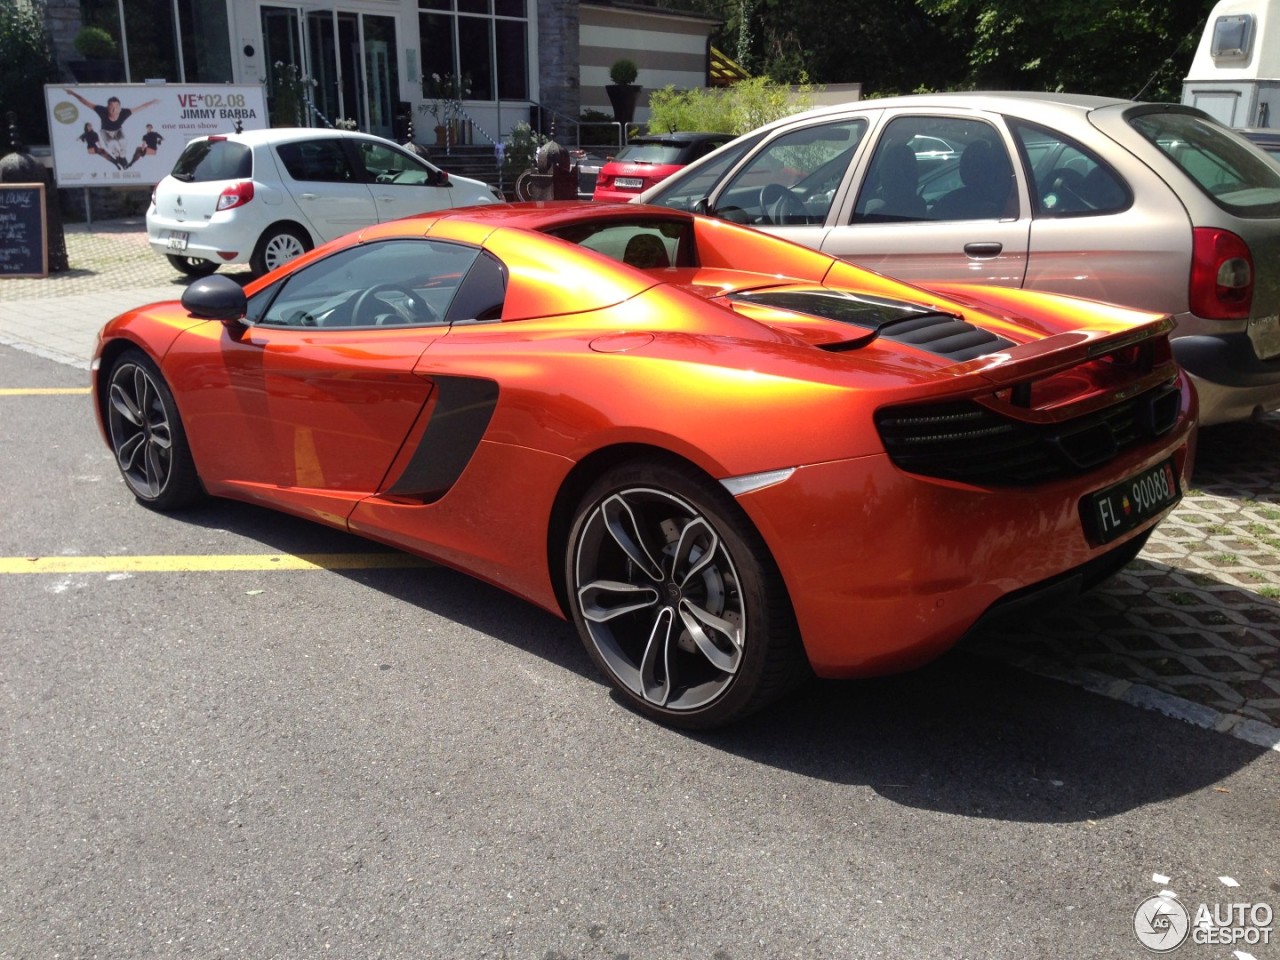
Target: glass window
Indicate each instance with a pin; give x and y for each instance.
(483, 42)
(384, 165)
(1070, 180)
(390, 283)
(794, 178)
(1237, 177)
(687, 189)
(321, 161)
(214, 159)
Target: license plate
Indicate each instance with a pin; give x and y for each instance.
(628, 183)
(1265, 334)
(177, 240)
(1118, 509)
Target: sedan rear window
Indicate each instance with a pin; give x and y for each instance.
(214, 159)
(1237, 177)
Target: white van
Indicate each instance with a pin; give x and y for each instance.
(1235, 76)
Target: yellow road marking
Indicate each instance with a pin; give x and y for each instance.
(42, 391)
(185, 564)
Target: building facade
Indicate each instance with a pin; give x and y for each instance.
(484, 64)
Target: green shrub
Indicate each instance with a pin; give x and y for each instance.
(27, 63)
(623, 72)
(94, 43)
(737, 109)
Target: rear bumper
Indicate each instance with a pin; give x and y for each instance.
(1232, 382)
(886, 570)
(604, 194)
(205, 240)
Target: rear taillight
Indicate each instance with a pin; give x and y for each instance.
(1221, 275)
(236, 195)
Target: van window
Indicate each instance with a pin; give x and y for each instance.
(1236, 176)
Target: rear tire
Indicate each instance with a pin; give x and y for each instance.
(277, 246)
(192, 266)
(677, 599)
(147, 436)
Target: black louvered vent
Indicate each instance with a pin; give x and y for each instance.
(965, 441)
(945, 336)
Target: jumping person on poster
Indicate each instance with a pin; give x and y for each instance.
(112, 118)
(90, 139)
(150, 144)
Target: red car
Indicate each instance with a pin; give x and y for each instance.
(647, 161)
(728, 459)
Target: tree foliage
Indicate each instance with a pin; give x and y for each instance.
(1120, 48)
(27, 63)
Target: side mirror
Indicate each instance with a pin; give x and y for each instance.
(215, 298)
(439, 178)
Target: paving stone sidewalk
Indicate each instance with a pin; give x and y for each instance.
(1192, 627)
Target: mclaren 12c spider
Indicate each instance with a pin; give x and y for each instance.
(730, 460)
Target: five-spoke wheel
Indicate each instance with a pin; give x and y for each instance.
(147, 436)
(677, 599)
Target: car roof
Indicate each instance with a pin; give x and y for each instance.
(993, 101)
(255, 138)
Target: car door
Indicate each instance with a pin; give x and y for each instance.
(332, 197)
(313, 397)
(401, 184)
(940, 198)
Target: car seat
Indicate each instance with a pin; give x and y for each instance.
(988, 184)
(646, 251)
(896, 198)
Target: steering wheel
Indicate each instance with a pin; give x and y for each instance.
(778, 205)
(390, 303)
(1062, 191)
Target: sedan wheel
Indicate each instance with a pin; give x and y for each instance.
(277, 247)
(147, 436)
(677, 599)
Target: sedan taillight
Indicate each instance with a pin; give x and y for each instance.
(236, 195)
(1221, 275)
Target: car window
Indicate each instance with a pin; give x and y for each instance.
(322, 161)
(793, 178)
(214, 159)
(686, 189)
(1070, 180)
(385, 165)
(650, 153)
(409, 282)
(645, 243)
(1232, 174)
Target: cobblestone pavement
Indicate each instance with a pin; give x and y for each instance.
(1192, 627)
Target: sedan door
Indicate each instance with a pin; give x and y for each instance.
(939, 198)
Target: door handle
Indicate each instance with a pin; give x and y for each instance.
(312, 196)
(984, 250)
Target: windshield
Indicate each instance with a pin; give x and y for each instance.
(1236, 176)
(204, 160)
(650, 153)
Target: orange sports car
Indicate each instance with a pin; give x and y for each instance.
(730, 460)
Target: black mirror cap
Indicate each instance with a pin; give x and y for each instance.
(215, 298)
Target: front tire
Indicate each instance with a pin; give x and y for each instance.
(677, 599)
(147, 436)
(276, 247)
(194, 267)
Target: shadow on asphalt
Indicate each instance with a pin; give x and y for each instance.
(964, 735)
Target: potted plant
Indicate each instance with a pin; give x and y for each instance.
(101, 63)
(624, 91)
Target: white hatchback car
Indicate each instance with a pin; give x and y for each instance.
(263, 197)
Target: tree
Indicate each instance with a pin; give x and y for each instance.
(27, 63)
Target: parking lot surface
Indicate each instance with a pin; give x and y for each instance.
(1192, 628)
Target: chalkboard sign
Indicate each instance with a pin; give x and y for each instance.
(24, 248)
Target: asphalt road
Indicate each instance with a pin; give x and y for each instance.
(402, 762)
